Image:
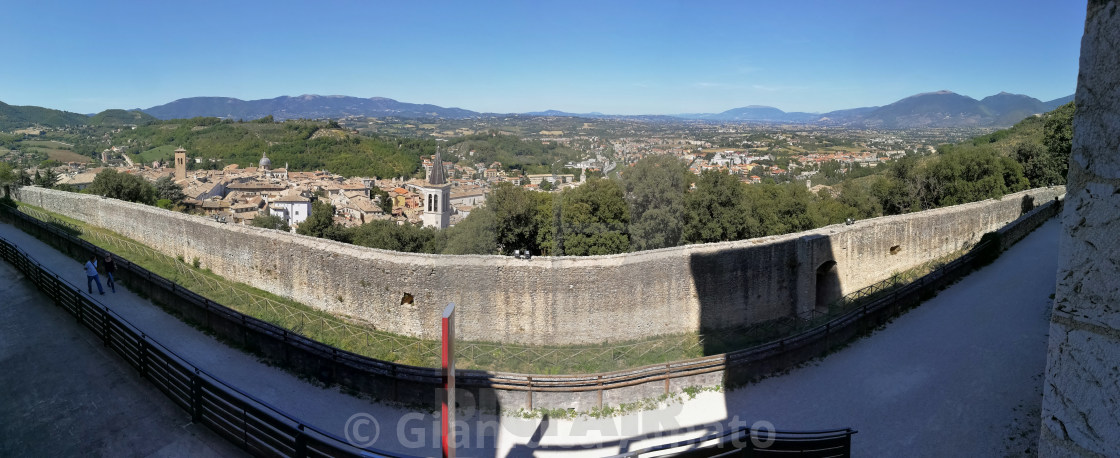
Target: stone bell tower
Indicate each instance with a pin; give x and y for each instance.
(180, 164)
(436, 197)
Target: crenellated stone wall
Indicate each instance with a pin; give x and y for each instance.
(557, 300)
(1081, 396)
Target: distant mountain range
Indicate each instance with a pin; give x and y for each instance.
(931, 109)
(304, 106)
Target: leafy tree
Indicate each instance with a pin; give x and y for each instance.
(546, 217)
(7, 177)
(388, 235)
(1040, 167)
(123, 186)
(1053, 167)
(516, 224)
(833, 210)
(655, 189)
(717, 209)
(320, 222)
(1058, 131)
(383, 199)
(594, 219)
(21, 177)
(167, 189)
(857, 196)
(475, 234)
(971, 174)
(545, 185)
(338, 233)
(796, 209)
(780, 209)
(271, 222)
(893, 196)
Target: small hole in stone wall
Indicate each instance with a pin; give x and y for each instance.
(406, 299)
(895, 249)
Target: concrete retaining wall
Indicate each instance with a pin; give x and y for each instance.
(559, 300)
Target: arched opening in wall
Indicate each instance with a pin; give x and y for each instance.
(828, 286)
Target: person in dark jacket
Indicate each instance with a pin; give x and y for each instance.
(110, 270)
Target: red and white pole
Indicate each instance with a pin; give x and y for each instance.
(449, 381)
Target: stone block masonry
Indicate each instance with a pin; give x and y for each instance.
(557, 300)
(1081, 396)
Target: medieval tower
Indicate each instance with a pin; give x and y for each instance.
(437, 197)
(180, 164)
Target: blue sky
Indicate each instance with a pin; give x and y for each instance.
(620, 57)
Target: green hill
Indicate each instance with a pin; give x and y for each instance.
(121, 118)
(1031, 130)
(18, 117)
(292, 142)
(513, 152)
(1033, 153)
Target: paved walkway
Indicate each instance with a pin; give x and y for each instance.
(63, 393)
(958, 375)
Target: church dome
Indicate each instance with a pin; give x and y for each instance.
(265, 163)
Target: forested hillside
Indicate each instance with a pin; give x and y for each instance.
(303, 145)
(511, 151)
(17, 117)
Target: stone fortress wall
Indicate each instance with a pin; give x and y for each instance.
(558, 300)
(1080, 406)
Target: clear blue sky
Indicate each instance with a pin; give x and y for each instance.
(609, 56)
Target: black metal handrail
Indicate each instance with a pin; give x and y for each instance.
(835, 442)
(256, 425)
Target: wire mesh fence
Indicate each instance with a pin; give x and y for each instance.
(365, 339)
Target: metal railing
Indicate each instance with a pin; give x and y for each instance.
(251, 423)
(757, 443)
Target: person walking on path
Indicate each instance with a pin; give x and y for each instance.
(91, 275)
(110, 267)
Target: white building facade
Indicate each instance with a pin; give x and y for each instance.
(292, 207)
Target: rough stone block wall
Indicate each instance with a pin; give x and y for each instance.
(1081, 396)
(562, 300)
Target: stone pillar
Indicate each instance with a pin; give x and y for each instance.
(1081, 396)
